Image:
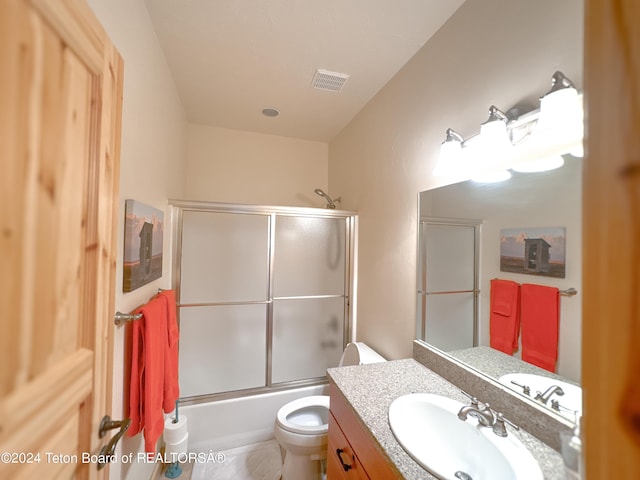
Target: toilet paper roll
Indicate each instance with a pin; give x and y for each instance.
(175, 432)
(178, 448)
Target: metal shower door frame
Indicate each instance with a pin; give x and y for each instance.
(422, 290)
(178, 207)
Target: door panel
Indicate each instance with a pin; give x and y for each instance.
(315, 246)
(224, 257)
(450, 251)
(449, 320)
(61, 91)
(447, 298)
(308, 337)
(227, 348)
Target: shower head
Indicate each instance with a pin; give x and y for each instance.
(330, 203)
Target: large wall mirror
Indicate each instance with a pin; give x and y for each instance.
(460, 232)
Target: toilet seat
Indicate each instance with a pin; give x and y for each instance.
(307, 415)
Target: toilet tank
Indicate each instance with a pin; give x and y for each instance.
(358, 353)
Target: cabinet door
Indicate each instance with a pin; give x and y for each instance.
(369, 455)
(341, 461)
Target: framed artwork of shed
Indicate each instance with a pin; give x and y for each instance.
(533, 250)
(143, 235)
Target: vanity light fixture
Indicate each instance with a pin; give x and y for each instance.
(450, 154)
(493, 133)
(495, 147)
(560, 114)
(533, 142)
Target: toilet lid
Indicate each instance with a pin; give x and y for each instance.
(350, 356)
(306, 415)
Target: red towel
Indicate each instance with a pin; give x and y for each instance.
(154, 368)
(171, 388)
(504, 315)
(540, 323)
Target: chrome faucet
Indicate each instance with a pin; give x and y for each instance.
(544, 397)
(483, 413)
(486, 416)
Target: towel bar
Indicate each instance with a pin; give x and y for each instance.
(120, 317)
(569, 292)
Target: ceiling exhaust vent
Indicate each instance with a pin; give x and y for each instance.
(326, 80)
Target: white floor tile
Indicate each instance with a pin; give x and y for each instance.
(260, 461)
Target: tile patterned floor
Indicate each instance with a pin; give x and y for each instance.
(260, 461)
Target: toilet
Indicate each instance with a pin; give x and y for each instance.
(301, 425)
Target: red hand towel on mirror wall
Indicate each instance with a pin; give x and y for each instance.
(540, 324)
(504, 315)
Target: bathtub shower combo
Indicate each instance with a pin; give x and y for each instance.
(264, 308)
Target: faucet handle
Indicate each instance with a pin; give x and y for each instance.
(499, 427)
(526, 389)
(474, 400)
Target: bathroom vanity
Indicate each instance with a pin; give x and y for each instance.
(359, 431)
(352, 452)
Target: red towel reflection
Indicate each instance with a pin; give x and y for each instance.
(504, 315)
(540, 324)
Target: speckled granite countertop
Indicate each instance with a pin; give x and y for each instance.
(496, 364)
(370, 389)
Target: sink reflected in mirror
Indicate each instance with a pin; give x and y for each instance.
(562, 397)
(429, 430)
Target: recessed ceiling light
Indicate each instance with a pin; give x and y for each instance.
(270, 112)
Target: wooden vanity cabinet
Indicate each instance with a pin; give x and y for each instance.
(342, 462)
(351, 445)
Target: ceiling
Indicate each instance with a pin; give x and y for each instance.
(232, 58)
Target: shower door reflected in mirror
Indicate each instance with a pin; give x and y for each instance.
(448, 282)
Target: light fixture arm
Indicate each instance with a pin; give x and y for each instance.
(495, 114)
(559, 82)
(453, 136)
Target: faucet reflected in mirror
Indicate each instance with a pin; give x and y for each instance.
(469, 217)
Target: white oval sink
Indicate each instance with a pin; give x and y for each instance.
(428, 428)
(570, 402)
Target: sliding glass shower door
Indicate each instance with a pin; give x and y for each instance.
(223, 301)
(263, 296)
(309, 299)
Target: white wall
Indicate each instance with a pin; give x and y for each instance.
(153, 152)
(498, 52)
(235, 166)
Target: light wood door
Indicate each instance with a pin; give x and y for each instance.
(60, 94)
(611, 241)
